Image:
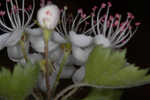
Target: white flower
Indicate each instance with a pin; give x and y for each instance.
(75, 28)
(19, 19)
(48, 16)
(110, 31)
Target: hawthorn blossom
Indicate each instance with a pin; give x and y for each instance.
(75, 28)
(112, 31)
(20, 20)
(76, 31)
(48, 16)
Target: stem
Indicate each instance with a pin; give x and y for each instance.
(70, 94)
(35, 96)
(23, 50)
(66, 54)
(47, 70)
(78, 85)
(67, 89)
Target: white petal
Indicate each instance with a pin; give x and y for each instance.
(101, 40)
(34, 32)
(71, 60)
(37, 42)
(15, 53)
(81, 54)
(56, 55)
(14, 38)
(35, 57)
(3, 39)
(32, 57)
(67, 72)
(80, 40)
(58, 38)
(79, 75)
(52, 45)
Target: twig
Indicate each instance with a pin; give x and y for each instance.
(61, 69)
(67, 89)
(35, 96)
(47, 71)
(70, 93)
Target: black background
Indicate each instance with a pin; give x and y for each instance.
(138, 51)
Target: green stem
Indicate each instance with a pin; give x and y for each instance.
(66, 54)
(67, 89)
(70, 93)
(47, 70)
(46, 36)
(23, 50)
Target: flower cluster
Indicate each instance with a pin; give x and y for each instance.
(82, 31)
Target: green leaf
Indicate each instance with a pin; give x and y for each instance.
(18, 85)
(103, 94)
(107, 68)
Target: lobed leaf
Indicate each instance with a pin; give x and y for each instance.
(107, 68)
(103, 94)
(20, 83)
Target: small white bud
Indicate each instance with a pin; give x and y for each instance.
(48, 16)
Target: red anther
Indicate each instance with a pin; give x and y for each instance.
(103, 5)
(111, 17)
(109, 4)
(137, 23)
(92, 14)
(117, 15)
(7, 0)
(2, 13)
(116, 23)
(130, 15)
(83, 15)
(94, 8)
(80, 11)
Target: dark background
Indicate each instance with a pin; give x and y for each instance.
(138, 51)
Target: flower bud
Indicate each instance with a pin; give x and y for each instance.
(48, 16)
